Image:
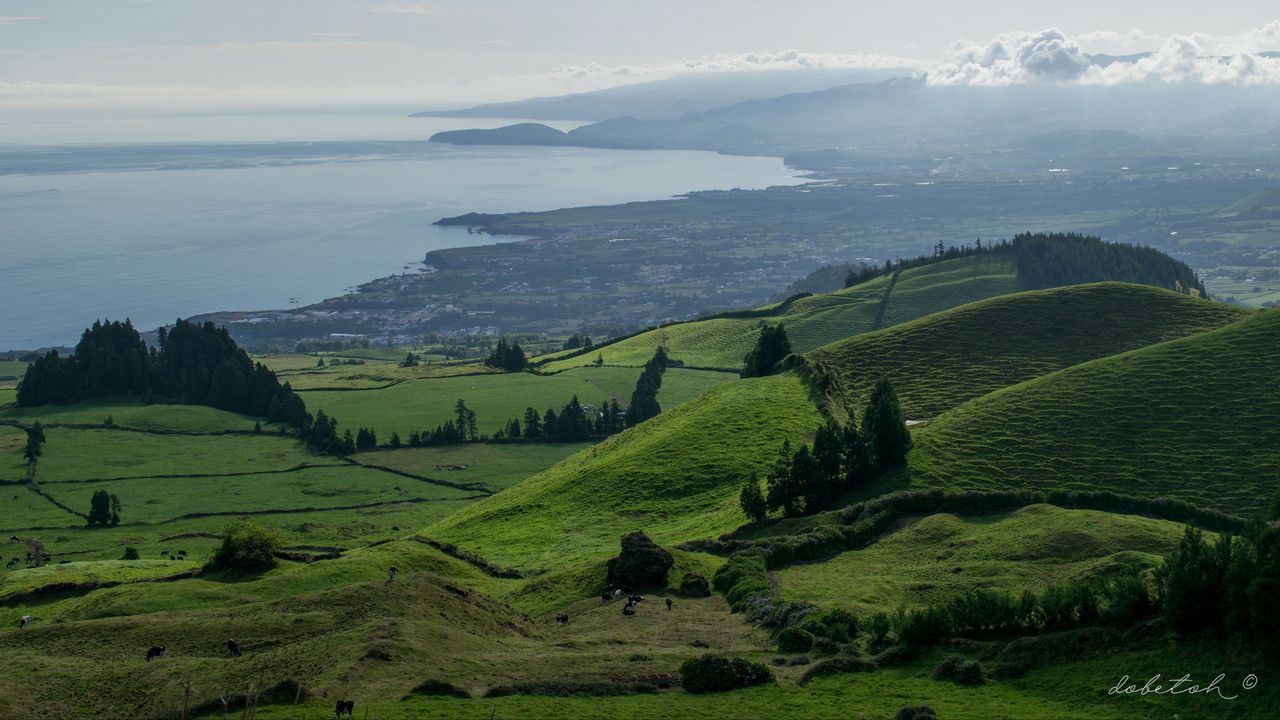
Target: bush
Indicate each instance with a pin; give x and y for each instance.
(692, 585)
(741, 578)
(713, 673)
(246, 547)
(794, 639)
(437, 688)
(835, 625)
(837, 666)
(959, 669)
(130, 553)
(640, 564)
(917, 712)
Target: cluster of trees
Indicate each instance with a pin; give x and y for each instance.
(573, 423)
(1226, 589)
(1056, 259)
(644, 399)
(1045, 260)
(771, 347)
(104, 509)
(460, 429)
(808, 480)
(410, 360)
(34, 448)
(578, 341)
(509, 357)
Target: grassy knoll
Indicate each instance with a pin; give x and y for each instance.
(945, 359)
(134, 414)
(819, 319)
(319, 488)
(935, 557)
(496, 398)
(935, 287)
(97, 454)
(676, 476)
(1192, 419)
(495, 465)
(91, 572)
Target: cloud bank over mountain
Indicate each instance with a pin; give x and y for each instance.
(1053, 56)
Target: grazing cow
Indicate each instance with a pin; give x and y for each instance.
(617, 593)
(392, 573)
(24, 621)
(345, 706)
(562, 619)
(633, 599)
(233, 648)
(629, 609)
(14, 538)
(669, 604)
(606, 596)
(155, 651)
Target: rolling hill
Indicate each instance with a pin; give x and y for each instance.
(947, 358)
(813, 321)
(1192, 419)
(676, 477)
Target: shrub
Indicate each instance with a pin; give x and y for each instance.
(713, 673)
(917, 712)
(130, 553)
(794, 639)
(836, 666)
(246, 547)
(437, 688)
(959, 669)
(640, 564)
(692, 585)
(741, 578)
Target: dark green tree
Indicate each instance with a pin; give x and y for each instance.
(771, 347)
(857, 465)
(99, 509)
(884, 426)
(532, 424)
(752, 500)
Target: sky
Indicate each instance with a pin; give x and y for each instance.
(239, 54)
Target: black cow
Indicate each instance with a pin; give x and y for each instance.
(233, 648)
(669, 604)
(345, 706)
(155, 651)
(24, 621)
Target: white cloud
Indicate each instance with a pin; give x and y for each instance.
(745, 62)
(1052, 56)
(17, 19)
(408, 8)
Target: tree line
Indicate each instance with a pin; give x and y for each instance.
(1047, 260)
(808, 480)
(507, 356)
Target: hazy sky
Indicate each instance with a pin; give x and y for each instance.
(234, 53)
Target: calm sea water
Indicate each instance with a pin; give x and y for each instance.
(270, 212)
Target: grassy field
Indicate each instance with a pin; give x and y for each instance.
(1192, 419)
(373, 374)
(940, 361)
(71, 455)
(676, 477)
(496, 398)
(134, 414)
(935, 287)
(935, 557)
(496, 466)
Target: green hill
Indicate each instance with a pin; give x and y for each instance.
(1193, 419)
(676, 477)
(931, 558)
(1263, 204)
(815, 320)
(945, 359)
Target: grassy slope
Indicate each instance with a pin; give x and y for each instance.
(942, 360)
(496, 465)
(1193, 419)
(423, 404)
(819, 319)
(939, 556)
(676, 476)
(97, 454)
(134, 414)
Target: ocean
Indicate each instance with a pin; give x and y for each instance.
(169, 217)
